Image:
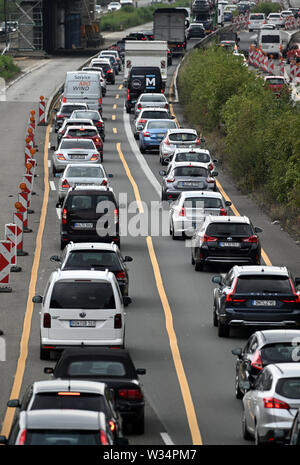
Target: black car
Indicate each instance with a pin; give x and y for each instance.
(108, 71)
(81, 215)
(142, 79)
(229, 240)
(261, 349)
(136, 36)
(196, 31)
(65, 111)
(255, 296)
(169, 57)
(116, 369)
(149, 35)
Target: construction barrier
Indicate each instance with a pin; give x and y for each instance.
(5, 252)
(42, 108)
(11, 235)
(271, 65)
(18, 220)
(292, 70)
(281, 67)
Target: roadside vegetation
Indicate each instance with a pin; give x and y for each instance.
(254, 134)
(129, 16)
(267, 8)
(7, 67)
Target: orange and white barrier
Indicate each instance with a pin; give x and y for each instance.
(11, 235)
(42, 109)
(271, 65)
(297, 74)
(5, 252)
(292, 70)
(18, 220)
(281, 67)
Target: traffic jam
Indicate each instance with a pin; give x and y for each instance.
(92, 392)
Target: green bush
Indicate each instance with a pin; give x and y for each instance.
(266, 8)
(7, 67)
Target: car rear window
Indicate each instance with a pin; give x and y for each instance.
(279, 352)
(270, 39)
(288, 387)
(82, 132)
(93, 115)
(152, 98)
(155, 115)
(100, 259)
(261, 284)
(85, 172)
(201, 157)
(161, 125)
(91, 368)
(77, 144)
(229, 229)
(58, 437)
(202, 202)
(190, 171)
(85, 201)
(68, 109)
(104, 66)
(257, 16)
(82, 295)
(182, 137)
(84, 401)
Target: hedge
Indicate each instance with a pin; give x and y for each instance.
(7, 67)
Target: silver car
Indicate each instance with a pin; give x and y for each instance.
(148, 113)
(72, 122)
(157, 100)
(272, 402)
(99, 70)
(74, 151)
(81, 174)
(177, 138)
(193, 155)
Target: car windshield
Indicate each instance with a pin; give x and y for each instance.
(288, 387)
(270, 39)
(152, 98)
(189, 171)
(161, 125)
(279, 352)
(68, 109)
(202, 202)
(82, 295)
(257, 16)
(77, 144)
(95, 368)
(275, 81)
(102, 259)
(84, 172)
(82, 132)
(93, 115)
(201, 157)
(155, 115)
(52, 437)
(261, 284)
(78, 401)
(182, 137)
(229, 229)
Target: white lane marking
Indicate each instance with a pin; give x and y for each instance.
(52, 185)
(51, 129)
(58, 212)
(49, 145)
(140, 158)
(49, 163)
(167, 440)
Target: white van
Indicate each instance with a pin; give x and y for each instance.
(81, 308)
(83, 86)
(270, 41)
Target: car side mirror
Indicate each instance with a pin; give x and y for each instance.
(3, 440)
(14, 403)
(55, 258)
(247, 386)
(167, 160)
(214, 173)
(163, 173)
(48, 371)
(297, 281)
(128, 259)
(228, 203)
(37, 299)
(140, 371)
(53, 148)
(258, 230)
(215, 161)
(110, 175)
(217, 279)
(127, 300)
(237, 351)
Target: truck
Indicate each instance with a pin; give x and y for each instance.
(169, 25)
(146, 53)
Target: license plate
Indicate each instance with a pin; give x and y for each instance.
(77, 157)
(82, 323)
(160, 135)
(264, 303)
(229, 244)
(190, 184)
(83, 225)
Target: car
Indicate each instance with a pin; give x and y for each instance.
(195, 31)
(72, 122)
(98, 256)
(65, 110)
(85, 132)
(226, 240)
(157, 100)
(113, 61)
(146, 114)
(102, 78)
(186, 176)
(228, 16)
(293, 52)
(149, 34)
(275, 83)
(262, 348)
(228, 45)
(136, 36)
(286, 14)
(115, 53)
(256, 20)
(271, 403)
(295, 12)
(275, 18)
(108, 69)
(94, 116)
(193, 155)
(120, 45)
(126, 2)
(81, 214)
(241, 57)
(142, 79)
(74, 151)
(177, 138)
(80, 309)
(113, 6)
(153, 133)
(81, 174)
(268, 27)
(60, 427)
(190, 208)
(116, 369)
(247, 296)
(70, 394)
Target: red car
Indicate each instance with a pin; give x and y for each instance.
(293, 52)
(275, 83)
(85, 132)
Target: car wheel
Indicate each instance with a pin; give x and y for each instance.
(215, 318)
(142, 149)
(54, 170)
(238, 392)
(128, 110)
(138, 427)
(245, 432)
(163, 196)
(223, 330)
(198, 266)
(44, 354)
(174, 237)
(192, 259)
(101, 157)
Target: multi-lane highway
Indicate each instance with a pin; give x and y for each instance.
(189, 383)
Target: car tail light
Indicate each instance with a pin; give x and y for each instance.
(223, 212)
(252, 239)
(65, 184)
(130, 394)
(210, 167)
(104, 182)
(210, 180)
(118, 321)
(94, 157)
(103, 438)
(248, 22)
(146, 134)
(64, 216)
(272, 402)
(256, 362)
(22, 438)
(97, 139)
(100, 100)
(128, 94)
(60, 156)
(60, 116)
(99, 124)
(142, 121)
(166, 141)
(64, 100)
(112, 425)
(171, 180)
(120, 275)
(198, 141)
(47, 320)
(116, 213)
(296, 296)
(166, 106)
(69, 393)
(182, 212)
(139, 106)
(207, 238)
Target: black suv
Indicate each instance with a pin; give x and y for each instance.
(256, 296)
(82, 212)
(230, 239)
(142, 79)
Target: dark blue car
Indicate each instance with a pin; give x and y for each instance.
(154, 132)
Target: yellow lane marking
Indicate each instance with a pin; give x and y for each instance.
(114, 106)
(184, 386)
(117, 96)
(130, 177)
(120, 86)
(15, 392)
(115, 131)
(113, 117)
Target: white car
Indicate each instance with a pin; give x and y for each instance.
(177, 138)
(155, 100)
(115, 53)
(194, 155)
(126, 2)
(286, 14)
(113, 6)
(149, 113)
(275, 18)
(256, 20)
(81, 308)
(189, 210)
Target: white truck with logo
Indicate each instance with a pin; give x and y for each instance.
(146, 53)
